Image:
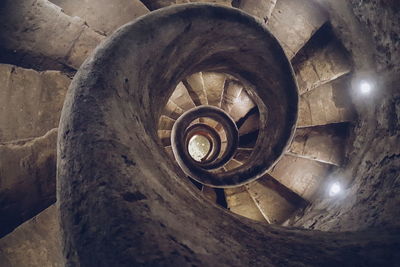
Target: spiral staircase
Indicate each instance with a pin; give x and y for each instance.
(311, 150)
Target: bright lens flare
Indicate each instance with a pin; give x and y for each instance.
(335, 189)
(365, 87)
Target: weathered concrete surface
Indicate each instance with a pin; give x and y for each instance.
(260, 9)
(35, 243)
(300, 175)
(103, 15)
(27, 179)
(30, 101)
(240, 202)
(325, 143)
(156, 4)
(329, 103)
(275, 201)
(321, 61)
(214, 84)
(40, 28)
(293, 22)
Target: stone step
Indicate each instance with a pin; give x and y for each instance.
(103, 15)
(181, 97)
(260, 9)
(195, 86)
(293, 22)
(322, 143)
(165, 137)
(30, 101)
(275, 201)
(240, 202)
(214, 83)
(300, 175)
(172, 110)
(251, 124)
(156, 4)
(327, 104)
(242, 154)
(165, 123)
(233, 164)
(322, 60)
(231, 92)
(40, 29)
(242, 105)
(37, 242)
(27, 180)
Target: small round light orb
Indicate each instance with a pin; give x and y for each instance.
(365, 87)
(335, 189)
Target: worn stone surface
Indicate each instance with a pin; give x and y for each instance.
(240, 202)
(35, 243)
(275, 201)
(103, 16)
(321, 61)
(303, 176)
(165, 123)
(156, 4)
(197, 91)
(40, 28)
(27, 179)
(260, 9)
(168, 224)
(231, 92)
(214, 84)
(293, 22)
(325, 143)
(30, 101)
(329, 103)
(172, 110)
(181, 97)
(242, 105)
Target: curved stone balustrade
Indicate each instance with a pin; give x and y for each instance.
(122, 201)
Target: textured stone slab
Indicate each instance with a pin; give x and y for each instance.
(214, 84)
(274, 200)
(165, 123)
(103, 15)
(35, 243)
(261, 9)
(300, 175)
(329, 103)
(195, 86)
(323, 143)
(240, 202)
(172, 110)
(181, 97)
(27, 179)
(320, 65)
(251, 124)
(30, 101)
(242, 105)
(231, 92)
(293, 22)
(156, 4)
(41, 29)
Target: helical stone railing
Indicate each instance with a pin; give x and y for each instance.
(181, 133)
(109, 154)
